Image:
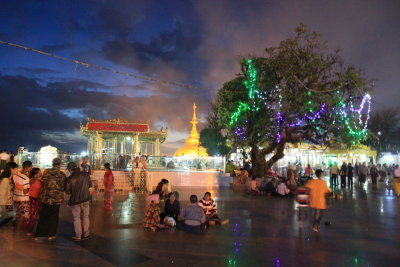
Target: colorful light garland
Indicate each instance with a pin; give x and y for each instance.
(341, 109)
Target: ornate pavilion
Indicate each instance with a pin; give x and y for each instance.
(118, 136)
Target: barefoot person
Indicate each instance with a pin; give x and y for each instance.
(318, 190)
(210, 209)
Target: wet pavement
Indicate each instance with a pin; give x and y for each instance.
(263, 231)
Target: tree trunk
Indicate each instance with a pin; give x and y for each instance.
(258, 162)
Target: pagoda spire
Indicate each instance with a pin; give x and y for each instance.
(194, 122)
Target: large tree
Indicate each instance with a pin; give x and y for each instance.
(214, 142)
(385, 129)
(299, 92)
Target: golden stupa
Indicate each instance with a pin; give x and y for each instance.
(192, 146)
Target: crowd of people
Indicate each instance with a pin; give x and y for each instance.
(310, 192)
(36, 198)
(194, 218)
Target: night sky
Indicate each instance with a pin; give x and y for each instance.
(43, 99)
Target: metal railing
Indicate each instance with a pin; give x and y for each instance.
(124, 162)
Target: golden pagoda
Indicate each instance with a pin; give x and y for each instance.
(192, 146)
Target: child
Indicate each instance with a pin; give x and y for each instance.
(210, 209)
(303, 202)
(152, 217)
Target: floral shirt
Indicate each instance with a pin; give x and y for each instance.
(53, 183)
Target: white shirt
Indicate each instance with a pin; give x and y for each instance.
(4, 156)
(397, 173)
(21, 180)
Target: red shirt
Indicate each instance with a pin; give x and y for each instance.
(34, 191)
(108, 179)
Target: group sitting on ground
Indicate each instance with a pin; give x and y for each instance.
(194, 218)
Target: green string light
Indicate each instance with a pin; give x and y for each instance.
(253, 93)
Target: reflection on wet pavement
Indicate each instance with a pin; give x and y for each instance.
(263, 231)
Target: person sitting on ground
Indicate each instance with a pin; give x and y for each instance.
(271, 173)
(193, 217)
(152, 217)
(254, 190)
(172, 208)
(282, 190)
(161, 189)
(271, 187)
(242, 178)
(210, 210)
(230, 168)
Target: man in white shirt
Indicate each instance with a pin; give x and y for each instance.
(21, 196)
(4, 158)
(334, 170)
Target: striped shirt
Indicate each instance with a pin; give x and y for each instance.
(303, 197)
(21, 182)
(209, 207)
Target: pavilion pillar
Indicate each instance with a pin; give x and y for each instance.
(157, 148)
(88, 145)
(157, 154)
(136, 145)
(122, 146)
(114, 145)
(98, 150)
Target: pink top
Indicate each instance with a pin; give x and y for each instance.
(34, 191)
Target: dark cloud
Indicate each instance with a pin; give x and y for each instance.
(176, 48)
(38, 115)
(37, 70)
(118, 18)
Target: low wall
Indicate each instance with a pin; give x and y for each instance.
(179, 179)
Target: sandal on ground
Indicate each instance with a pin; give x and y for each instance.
(50, 238)
(86, 236)
(75, 238)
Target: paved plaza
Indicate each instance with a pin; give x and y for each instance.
(263, 231)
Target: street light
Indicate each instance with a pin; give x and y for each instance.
(379, 133)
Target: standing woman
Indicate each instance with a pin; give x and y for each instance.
(10, 169)
(51, 196)
(34, 203)
(108, 187)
